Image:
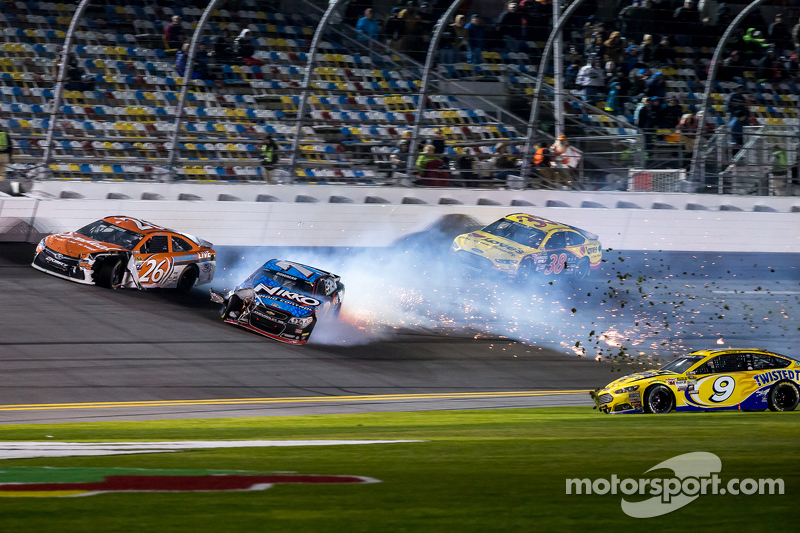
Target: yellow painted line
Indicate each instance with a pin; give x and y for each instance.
(301, 399)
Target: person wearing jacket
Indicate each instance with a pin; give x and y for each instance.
(367, 27)
(476, 38)
(269, 155)
(6, 152)
(181, 59)
(591, 78)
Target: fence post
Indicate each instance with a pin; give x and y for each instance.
(187, 80)
(62, 72)
(301, 106)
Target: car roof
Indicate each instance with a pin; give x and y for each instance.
(136, 225)
(550, 225)
(709, 353)
(310, 274)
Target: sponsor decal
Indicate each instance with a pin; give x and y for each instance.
(142, 225)
(288, 276)
(56, 262)
(203, 255)
(187, 257)
(287, 295)
(775, 375)
(477, 250)
(71, 482)
(504, 246)
(267, 315)
(592, 249)
(286, 265)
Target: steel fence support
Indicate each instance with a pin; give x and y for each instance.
(423, 91)
(699, 158)
(301, 106)
(187, 80)
(558, 74)
(542, 72)
(62, 72)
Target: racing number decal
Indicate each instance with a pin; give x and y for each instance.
(557, 263)
(155, 271)
(536, 221)
(723, 388)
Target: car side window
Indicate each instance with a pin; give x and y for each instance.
(180, 245)
(556, 241)
(575, 239)
(765, 362)
(729, 362)
(157, 244)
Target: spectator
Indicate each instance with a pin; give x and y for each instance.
(671, 114)
(269, 156)
(646, 50)
(243, 47)
(597, 48)
(182, 58)
(793, 67)
(614, 103)
(509, 25)
(476, 40)
(796, 38)
(779, 34)
(733, 68)
(645, 118)
(627, 19)
(656, 86)
(6, 152)
(686, 19)
(736, 129)
(631, 59)
(779, 180)
(639, 85)
(437, 141)
(664, 53)
(367, 27)
(426, 20)
(399, 156)
(430, 165)
(395, 30)
(502, 162)
(464, 164)
(560, 161)
(754, 44)
(542, 162)
(459, 40)
(591, 78)
(200, 63)
(613, 49)
(223, 48)
(770, 68)
(737, 103)
(173, 33)
(571, 74)
(624, 90)
(688, 129)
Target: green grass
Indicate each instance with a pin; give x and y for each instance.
(484, 471)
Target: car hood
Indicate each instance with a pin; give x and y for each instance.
(639, 376)
(74, 244)
(480, 242)
(271, 294)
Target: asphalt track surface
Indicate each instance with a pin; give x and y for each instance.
(70, 353)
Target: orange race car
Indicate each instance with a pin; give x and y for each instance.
(127, 252)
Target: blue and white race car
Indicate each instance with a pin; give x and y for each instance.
(282, 300)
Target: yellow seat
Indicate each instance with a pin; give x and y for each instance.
(74, 168)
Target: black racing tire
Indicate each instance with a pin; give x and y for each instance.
(234, 304)
(188, 279)
(525, 271)
(109, 273)
(658, 400)
(783, 396)
(583, 269)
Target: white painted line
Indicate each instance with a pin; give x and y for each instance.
(29, 450)
(766, 292)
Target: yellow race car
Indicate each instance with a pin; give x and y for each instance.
(519, 245)
(708, 380)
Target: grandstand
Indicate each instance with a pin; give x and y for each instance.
(118, 121)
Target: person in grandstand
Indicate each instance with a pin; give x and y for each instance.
(779, 34)
(430, 166)
(510, 26)
(269, 156)
(223, 47)
(503, 162)
(477, 39)
(591, 78)
(367, 27)
(181, 59)
(173, 33)
(736, 129)
(244, 48)
(737, 102)
(6, 152)
(394, 29)
(670, 115)
(399, 156)
(688, 130)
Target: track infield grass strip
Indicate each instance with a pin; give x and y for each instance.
(478, 470)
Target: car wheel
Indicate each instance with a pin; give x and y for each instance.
(525, 271)
(582, 271)
(188, 279)
(784, 396)
(109, 275)
(658, 400)
(234, 305)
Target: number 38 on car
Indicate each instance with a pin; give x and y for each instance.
(748, 380)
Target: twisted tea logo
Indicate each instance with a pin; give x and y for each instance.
(688, 466)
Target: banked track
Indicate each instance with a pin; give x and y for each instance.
(75, 353)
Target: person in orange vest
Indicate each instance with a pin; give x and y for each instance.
(542, 161)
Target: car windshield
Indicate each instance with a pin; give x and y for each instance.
(514, 231)
(292, 283)
(106, 232)
(682, 364)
